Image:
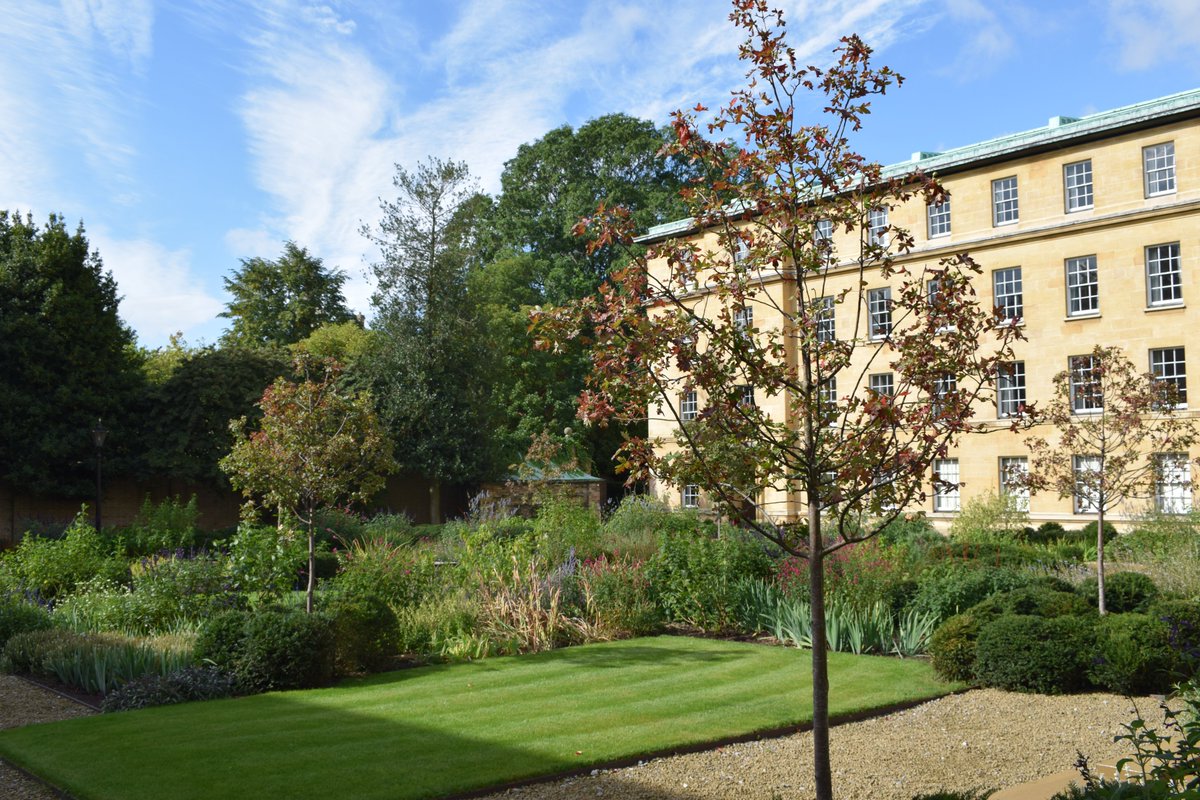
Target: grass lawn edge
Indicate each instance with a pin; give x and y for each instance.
(778, 732)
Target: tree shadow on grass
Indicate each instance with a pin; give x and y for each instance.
(660, 651)
(286, 745)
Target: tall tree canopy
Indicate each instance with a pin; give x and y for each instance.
(66, 358)
(551, 183)
(187, 415)
(280, 302)
(430, 366)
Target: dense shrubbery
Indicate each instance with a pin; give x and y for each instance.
(1034, 654)
(17, 616)
(501, 584)
(269, 649)
(1123, 592)
(694, 576)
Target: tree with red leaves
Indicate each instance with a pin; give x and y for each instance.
(316, 447)
(746, 300)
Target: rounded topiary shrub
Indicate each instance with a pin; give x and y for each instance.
(1124, 592)
(1182, 618)
(221, 638)
(1088, 532)
(1045, 533)
(365, 630)
(952, 647)
(1132, 654)
(1034, 654)
(285, 650)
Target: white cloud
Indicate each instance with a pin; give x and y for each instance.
(160, 292)
(1150, 32)
(125, 26)
(327, 120)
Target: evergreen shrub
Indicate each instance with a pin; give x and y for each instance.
(1124, 592)
(1032, 654)
(1133, 655)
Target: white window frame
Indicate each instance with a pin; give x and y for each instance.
(947, 495)
(1005, 203)
(1086, 396)
(883, 384)
(743, 319)
(1173, 487)
(1011, 466)
(1158, 169)
(1008, 293)
(1083, 286)
(877, 223)
(1164, 275)
(938, 219)
(943, 387)
(823, 240)
(689, 496)
(689, 406)
(826, 319)
(1078, 191)
(1084, 499)
(1169, 364)
(827, 397)
(1010, 389)
(879, 312)
(746, 394)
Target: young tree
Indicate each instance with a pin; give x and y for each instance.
(315, 447)
(277, 303)
(1119, 438)
(429, 365)
(747, 302)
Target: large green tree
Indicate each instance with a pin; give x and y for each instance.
(546, 188)
(551, 183)
(66, 359)
(280, 302)
(431, 369)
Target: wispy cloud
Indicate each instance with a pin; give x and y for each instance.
(327, 120)
(160, 293)
(1152, 32)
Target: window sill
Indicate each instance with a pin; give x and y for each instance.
(1005, 223)
(1010, 322)
(1081, 208)
(1086, 412)
(1089, 315)
(1165, 307)
(1153, 195)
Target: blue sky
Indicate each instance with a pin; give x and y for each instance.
(190, 135)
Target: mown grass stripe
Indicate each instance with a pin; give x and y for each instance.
(435, 731)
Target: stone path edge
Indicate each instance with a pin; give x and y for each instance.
(700, 747)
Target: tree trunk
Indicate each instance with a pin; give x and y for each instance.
(312, 565)
(435, 503)
(822, 772)
(1100, 558)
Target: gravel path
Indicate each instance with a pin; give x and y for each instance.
(24, 704)
(983, 739)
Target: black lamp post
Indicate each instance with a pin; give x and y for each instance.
(98, 434)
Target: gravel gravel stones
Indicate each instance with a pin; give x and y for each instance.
(983, 739)
(22, 703)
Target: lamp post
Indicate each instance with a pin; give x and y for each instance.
(98, 434)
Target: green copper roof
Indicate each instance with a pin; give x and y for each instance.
(1059, 132)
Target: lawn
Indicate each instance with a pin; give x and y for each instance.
(438, 730)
